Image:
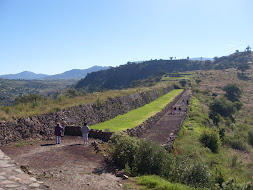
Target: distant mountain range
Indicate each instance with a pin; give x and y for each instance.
(72, 74)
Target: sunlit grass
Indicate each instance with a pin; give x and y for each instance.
(158, 183)
(139, 115)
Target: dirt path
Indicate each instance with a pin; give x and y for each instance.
(166, 127)
(70, 165)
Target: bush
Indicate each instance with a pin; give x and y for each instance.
(232, 184)
(233, 92)
(210, 139)
(250, 133)
(29, 98)
(198, 81)
(147, 157)
(182, 82)
(151, 158)
(176, 86)
(238, 105)
(221, 107)
(198, 175)
(6, 109)
(122, 149)
(238, 144)
(218, 175)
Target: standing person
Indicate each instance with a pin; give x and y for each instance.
(183, 102)
(85, 132)
(175, 109)
(171, 109)
(179, 110)
(187, 102)
(58, 133)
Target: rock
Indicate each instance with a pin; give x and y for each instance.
(125, 176)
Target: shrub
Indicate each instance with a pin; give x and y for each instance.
(6, 109)
(198, 81)
(233, 92)
(210, 139)
(238, 105)
(29, 98)
(176, 86)
(220, 107)
(178, 169)
(238, 144)
(182, 82)
(250, 133)
(234, 161)
(218, 175)
(198, 175)
(232, 184)
(150, 158)
(122, 149)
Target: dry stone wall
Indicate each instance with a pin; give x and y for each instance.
(43, 126)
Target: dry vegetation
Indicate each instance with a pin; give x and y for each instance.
(9, 113)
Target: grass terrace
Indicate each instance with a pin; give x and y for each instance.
(139, 115)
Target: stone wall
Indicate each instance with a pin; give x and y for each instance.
(43, 126)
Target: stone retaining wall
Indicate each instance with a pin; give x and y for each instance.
(43, 126)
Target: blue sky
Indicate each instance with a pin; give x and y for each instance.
(53, 36)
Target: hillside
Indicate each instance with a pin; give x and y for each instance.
(11, 89)
(124, 75)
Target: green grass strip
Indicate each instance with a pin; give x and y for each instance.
(139, 115)
(158, 183)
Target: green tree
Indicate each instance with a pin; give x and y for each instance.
(221, 107)
(233, 92)
(29, 98)
(211, 139)
(243, 67)
(182, 82)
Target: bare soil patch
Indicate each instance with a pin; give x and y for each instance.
(70, 165)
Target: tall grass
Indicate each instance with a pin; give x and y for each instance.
(158, 183)
(49, 105)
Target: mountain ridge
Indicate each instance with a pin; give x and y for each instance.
(71, 74)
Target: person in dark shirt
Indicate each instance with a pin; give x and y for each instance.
(58, 133)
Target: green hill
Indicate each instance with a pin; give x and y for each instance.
(125, 75)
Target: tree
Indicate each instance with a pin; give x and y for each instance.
(248, 49)
(233, 92)
(220, 107)
(182, 82)
(243, 67)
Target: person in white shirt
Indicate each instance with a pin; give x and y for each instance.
(85, 132)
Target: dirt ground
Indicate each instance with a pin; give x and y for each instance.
(70, 165)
